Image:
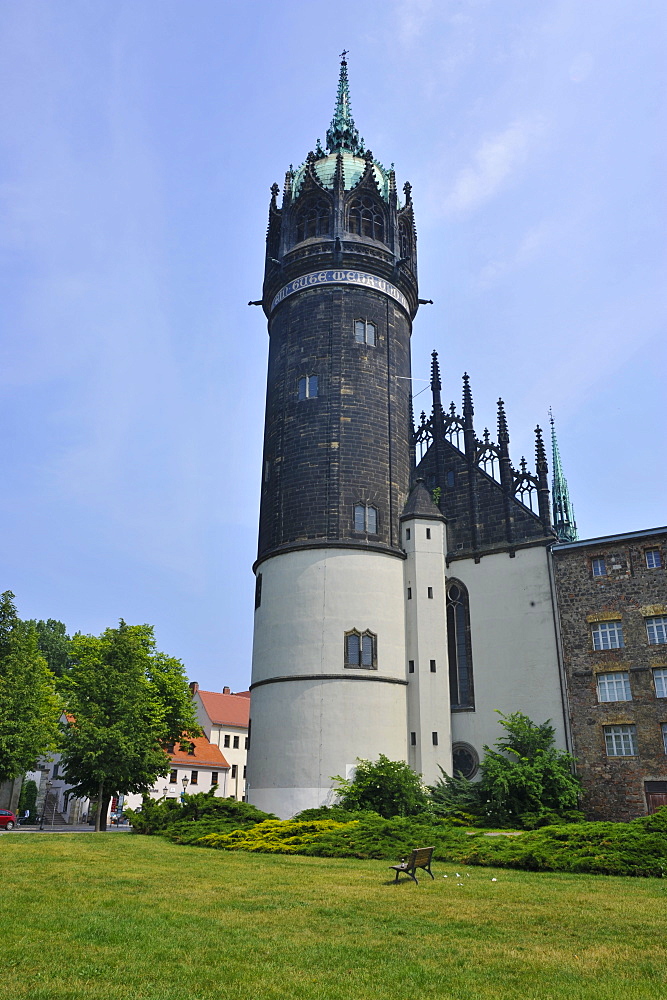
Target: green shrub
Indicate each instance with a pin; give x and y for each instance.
(387, 787)
(163, 814)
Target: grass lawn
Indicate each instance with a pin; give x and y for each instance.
(120, 916)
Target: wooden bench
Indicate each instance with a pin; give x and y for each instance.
(420, 858)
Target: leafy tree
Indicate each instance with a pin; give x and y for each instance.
(525, 781)
(387, 787)
(126, 703)
(54, 644)
(29, 708)
(28, 799)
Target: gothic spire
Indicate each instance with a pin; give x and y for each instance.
(563, 511)
(343, 133)
(436, 384)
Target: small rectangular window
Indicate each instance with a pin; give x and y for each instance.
(359, 517)
(353, 649)
(656, 630)
(407, 534)
(173, 777)
(214, 777)
(449, 478)
(434, 739)
(372, 520)
(614, 686)
(234, 770)
(653, 559)
(365, 332)
(660, 681)
(366, 651)
(608, 635)
(194, 777)
(598, 567)
(246, 743)
(307, 387)
(236, 743)
(411, 666)
(432, 666)
(409, 593)
(245, 770)
(413, 739)
(664, 735)
(621, 741)
(428, 532)
(430, 592)
(227, 740)
(258, 591)
(55, 772)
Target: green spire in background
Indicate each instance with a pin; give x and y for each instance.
(342, 133)
(563, 511)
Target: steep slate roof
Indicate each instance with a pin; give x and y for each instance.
(205, 753)
(226, 709)
(420, 504)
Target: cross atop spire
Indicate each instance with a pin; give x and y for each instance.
(342, 133)
(563, 511)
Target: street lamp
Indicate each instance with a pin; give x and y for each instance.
(46, 799)
(185, 783)
(164, 791)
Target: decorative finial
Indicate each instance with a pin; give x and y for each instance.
(435, 372)
(342, 133)
(468, 409)
(563, 511)
(503, 432)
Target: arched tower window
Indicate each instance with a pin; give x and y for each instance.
(361, 649)
(404, 238)
(365, 218)
(312, 220)
(459, 646)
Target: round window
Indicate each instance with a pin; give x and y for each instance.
(465, 760)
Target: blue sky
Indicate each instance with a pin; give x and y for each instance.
(139, 141)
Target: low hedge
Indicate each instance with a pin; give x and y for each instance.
(638, 848)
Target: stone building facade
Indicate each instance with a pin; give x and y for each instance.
(612, 601)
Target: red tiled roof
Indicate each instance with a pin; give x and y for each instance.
(226, 709)
(205, 753)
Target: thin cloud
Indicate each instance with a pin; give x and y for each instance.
(494, 162)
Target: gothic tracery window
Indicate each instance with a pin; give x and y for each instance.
(361, 649)
(459, 646)
(366, 218)
(312, 220)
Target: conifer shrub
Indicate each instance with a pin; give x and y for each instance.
(202, 808)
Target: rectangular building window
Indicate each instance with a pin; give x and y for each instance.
(653, 559)
(360, 650)
(428, 532)
(234, 770)
(614, 687)
(656, 630)
(258, 591)
(245, 771)
(621, 741)
(55, 772)
(598, 567)
(432, 666)
(430, 592)
(228, 740)
(407, 534)
(236, 743)
(307, 387)
(664, 735)
(365, 518)
(364, 332)
(411, 666)
(409, 593)
(246, 743)
(194, 777)
(413, 739)
(660, 681)
(214, 777)
(608, 635)
(434, 739)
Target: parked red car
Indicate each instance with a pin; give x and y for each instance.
(7, 819)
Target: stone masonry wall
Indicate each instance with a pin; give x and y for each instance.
(628, 592)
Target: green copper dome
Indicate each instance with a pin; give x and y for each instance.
(354, 168)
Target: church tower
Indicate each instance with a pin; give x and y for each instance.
(340, 293)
